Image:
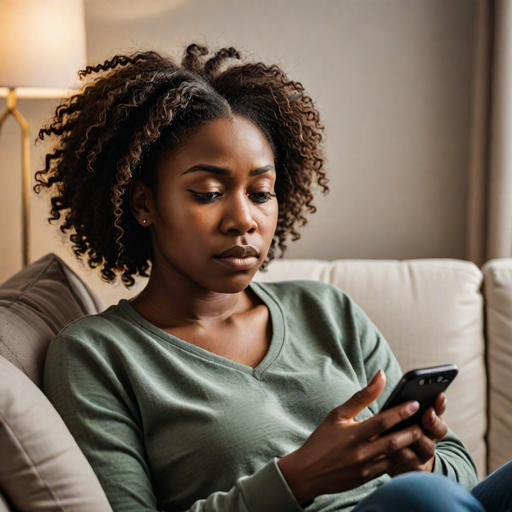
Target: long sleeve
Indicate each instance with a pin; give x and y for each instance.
(102, 415)
(454, 461)
(452, 458)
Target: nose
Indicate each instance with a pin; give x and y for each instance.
(238, 215)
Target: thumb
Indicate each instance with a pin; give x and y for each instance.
(354, 405)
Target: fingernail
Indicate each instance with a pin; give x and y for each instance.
(432, 417)
(414, 406)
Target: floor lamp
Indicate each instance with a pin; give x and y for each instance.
(42, 46)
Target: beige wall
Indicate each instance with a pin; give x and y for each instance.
(392, 79)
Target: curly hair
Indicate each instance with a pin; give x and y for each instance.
(136, 108)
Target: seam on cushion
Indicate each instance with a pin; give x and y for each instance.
(38, 473)
(31, 284)
(15, 356)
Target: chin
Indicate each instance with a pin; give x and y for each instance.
(231, 284)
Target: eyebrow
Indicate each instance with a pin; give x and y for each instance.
(226, 172)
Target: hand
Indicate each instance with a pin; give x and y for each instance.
(339, 455)
(419, 456)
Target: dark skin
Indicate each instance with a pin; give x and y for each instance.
(200, 213)
(190, 294)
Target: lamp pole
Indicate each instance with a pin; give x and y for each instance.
(25, 214)
(42, 45)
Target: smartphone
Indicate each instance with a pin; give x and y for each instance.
(423, 385)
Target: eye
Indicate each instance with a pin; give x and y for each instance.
(262, 197)
(210, 197)
(205, 197)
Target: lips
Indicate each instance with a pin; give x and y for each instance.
(239, 251)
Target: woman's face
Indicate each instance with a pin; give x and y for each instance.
(214, 195)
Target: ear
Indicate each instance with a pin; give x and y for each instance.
(141, 203)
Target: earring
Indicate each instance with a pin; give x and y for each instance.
(143, 221)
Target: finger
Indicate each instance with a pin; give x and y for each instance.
(406, 457)
(362, 399)
(424, 449)
(397, 470)
(375, 468)
(384, 420)
(440, 404)
(435, 427)
(392, 443)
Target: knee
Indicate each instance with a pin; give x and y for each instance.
(421, 492)
(424, 482)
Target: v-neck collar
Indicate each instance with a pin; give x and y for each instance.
(276, 344)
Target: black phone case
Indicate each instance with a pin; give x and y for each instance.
(423, 385)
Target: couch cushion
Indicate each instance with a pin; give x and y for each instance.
(431, 312)
(498, 298)
(41, 466)
(35, 304)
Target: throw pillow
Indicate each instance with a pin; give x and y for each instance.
(35, 304)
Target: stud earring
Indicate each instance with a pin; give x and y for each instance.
(143, 221)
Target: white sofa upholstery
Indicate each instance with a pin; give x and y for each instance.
(430, 311)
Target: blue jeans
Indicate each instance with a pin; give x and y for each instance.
(427, 492)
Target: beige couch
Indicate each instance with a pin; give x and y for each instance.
(430, 311)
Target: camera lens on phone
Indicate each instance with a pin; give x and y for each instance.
(422, 381)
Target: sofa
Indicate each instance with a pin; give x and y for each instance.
(431, 311)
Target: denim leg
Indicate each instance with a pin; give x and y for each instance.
(420, 492)
(495, 491)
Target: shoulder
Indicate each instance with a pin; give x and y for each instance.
(321, 300)
(90, 348)
(91, 333)
(90, 324)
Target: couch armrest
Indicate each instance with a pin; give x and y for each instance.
(498, 297)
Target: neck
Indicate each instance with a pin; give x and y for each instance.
(170, 299)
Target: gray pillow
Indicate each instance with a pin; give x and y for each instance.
(35, 304)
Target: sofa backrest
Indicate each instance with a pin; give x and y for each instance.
(430, 312)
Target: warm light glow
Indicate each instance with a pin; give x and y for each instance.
(36, 92)
(42, 43)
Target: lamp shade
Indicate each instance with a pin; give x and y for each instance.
(42, 42)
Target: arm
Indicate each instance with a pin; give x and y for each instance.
(452, 458)
(104, 419)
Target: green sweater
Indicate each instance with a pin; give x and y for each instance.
(170, 426)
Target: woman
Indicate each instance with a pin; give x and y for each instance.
(208, 391)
